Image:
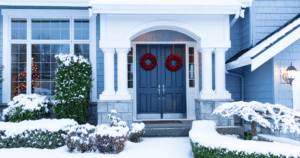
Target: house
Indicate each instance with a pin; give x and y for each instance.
(201, 53)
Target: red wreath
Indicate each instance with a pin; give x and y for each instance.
(153, 61)
(178, 64)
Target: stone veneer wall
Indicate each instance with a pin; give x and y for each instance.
(204, 109)
(124, 110)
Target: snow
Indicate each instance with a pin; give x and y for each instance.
(29, 102)
(67, 58)
(168, 2)
(178, 147)
(52, 125)
(137, 127)
(204, 132)
(281, 139)
(104, 130)
(287, 118)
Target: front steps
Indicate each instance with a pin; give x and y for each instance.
(167, 128)
(181, 129)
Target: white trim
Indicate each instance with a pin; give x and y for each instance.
(77, 3)
(29, 14)
(238, 63)
(164, 9)
(57, 13)
(296, 92)
(270, 52)
(93, 56)
(275, 49)
(6, 58)
(188, 89)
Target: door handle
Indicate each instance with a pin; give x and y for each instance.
(158, 91)
(163, 91)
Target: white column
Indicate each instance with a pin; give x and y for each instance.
(220, 70)
(207, 92)
(109, 89)
(122, 93)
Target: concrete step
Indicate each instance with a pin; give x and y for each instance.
(167, 128)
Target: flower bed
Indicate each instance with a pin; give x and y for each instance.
(206, 142)
(44, 133)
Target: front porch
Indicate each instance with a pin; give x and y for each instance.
(209, 35)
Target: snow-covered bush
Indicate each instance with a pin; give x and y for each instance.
(207, 142)
(105, 139)
(72, 87)
(116, 121)
(26, 107)
(44, 133)
(285, 119)
(137, 131)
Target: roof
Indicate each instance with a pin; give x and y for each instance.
(286, 32)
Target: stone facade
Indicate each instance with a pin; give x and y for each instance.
(124, 109)
(204, 109)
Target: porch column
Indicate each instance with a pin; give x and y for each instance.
(207, 92)
(109, 89)
(122, 93)
(220, 70)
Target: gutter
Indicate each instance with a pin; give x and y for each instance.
(239, 13)
(242, 85)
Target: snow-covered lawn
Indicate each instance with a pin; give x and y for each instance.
(281, 139)
(166, 147)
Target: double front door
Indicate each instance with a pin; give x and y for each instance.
(160, 92)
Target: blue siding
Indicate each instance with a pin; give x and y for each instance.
(271, 14)
(259, 83)
(284, 91)
(1, 49)
(100, 60)
(245, 30)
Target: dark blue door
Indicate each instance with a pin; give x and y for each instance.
(160, 90)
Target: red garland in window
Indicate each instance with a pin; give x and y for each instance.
(153, 61)
(178, 64)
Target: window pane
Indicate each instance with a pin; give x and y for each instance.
(191, 68)
(18, 29)
(50, 29)
(82, 49)
(18, 69)
(81, 29)
(44, 65)
(130, 68)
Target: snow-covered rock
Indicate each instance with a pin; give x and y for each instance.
(204, 132)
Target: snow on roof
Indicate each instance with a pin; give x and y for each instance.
(273, 39)
(168, 2)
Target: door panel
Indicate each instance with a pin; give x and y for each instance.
(173, 99)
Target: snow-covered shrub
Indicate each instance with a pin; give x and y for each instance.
(26, 107)
(116, 121)
(44, 133)
(207, 142)
(105, 139)
(257, 112)
(137, 131)
(72, 87)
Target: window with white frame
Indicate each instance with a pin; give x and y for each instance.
(33, 44)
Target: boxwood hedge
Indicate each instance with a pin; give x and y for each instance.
(207, 152)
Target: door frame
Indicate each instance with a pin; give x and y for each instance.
(191, 93)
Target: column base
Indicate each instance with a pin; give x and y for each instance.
(107, 97)
(215, 96)
(122, 97)
(223, 95)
